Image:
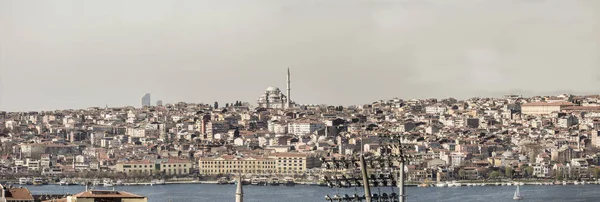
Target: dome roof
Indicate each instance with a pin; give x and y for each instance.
(271, 88)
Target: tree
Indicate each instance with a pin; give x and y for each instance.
(461, 174)
(508, 172)
(528, 171)
(494, 174)
(216, 105)
(596, 173)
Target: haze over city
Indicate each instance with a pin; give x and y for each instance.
(76, 54)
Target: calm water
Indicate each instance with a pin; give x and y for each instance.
(301, 193)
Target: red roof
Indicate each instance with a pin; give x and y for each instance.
(106, 194)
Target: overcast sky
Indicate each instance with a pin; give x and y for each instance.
(78, 53)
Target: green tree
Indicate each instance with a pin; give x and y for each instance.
(596, 173)
(494, 174)
(528, 171)
(508, 172)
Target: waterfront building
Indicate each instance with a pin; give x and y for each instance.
(229, 164)
(295, 163)
(149, 167)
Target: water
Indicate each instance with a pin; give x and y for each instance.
(301, 193)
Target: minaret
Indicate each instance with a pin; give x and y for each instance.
(239, 193)
(289, 97)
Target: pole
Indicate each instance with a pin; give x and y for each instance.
(363, 167)
(401, 184)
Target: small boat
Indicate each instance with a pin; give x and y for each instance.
(23, 181)
(158, 182)
(289, 181)
(222, 181)
(109, 184)
(119, 183)
(517, 195)
(274, 182)
(96, 183)
(441, 185)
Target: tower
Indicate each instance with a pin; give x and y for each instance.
(289, 96)
(239, 193)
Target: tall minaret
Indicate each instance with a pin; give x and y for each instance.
(239, 193)
(289, 96)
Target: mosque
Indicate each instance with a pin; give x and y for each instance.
(273, 98)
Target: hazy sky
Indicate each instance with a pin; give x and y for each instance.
(78, 53)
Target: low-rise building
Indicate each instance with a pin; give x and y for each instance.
(149, 167)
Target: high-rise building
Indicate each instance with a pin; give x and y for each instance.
(159, 103)
(146, 102)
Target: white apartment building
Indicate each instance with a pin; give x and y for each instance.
(304, 127)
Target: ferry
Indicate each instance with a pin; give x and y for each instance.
(38, 181)
(67, 182)
(25, 181)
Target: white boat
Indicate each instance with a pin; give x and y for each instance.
(119, 183)
(517, 195)
(109, 184)
(96, 183)
(158, 182)
(63, 182)
(23, 181)
(441, 185)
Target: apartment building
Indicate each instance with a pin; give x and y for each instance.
(229, 164)
(149, 167)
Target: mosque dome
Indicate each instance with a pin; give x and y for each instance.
(271, 89)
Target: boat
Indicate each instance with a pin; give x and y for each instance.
(274, 182)
(96, 183)
(262, 181)
(289, 181)
(119, 183)
(109, 184)
(63, 182)
(517, 195)
(24, 181)
(158, 182)
(222, 181)
(38, 181)
(66, 182)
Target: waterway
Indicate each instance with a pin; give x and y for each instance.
(303, 193)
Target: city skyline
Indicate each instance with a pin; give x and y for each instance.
(75, 54)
